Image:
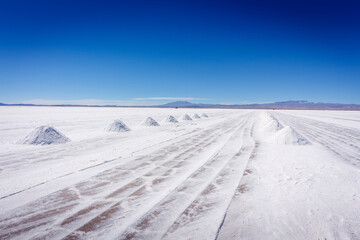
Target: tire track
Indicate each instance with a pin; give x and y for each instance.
(39, 214)
(158, 219)
(152, 192)
(203, 218)
(228, 225)
(329, 136)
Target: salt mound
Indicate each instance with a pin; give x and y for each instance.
(117, 126)
(289, 136)
(170, 119)
(270, 124)
(45, 135)
(196, 115)
(204, 115)
(150, 122)
(186, 117)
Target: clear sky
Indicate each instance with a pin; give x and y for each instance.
(145, 52)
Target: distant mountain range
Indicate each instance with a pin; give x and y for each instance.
(275, 105)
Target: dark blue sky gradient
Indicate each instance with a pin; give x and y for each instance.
(225, 52)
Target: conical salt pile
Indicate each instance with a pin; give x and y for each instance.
(45, 135)
(289, 136)
(170, 119)
(196, 116)
(150, 122)
(186, 117)
(117, 126)
(269, 124)
(204, 115)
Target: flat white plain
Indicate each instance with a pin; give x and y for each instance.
(234, 175)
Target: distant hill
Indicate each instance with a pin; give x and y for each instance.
(185, 104)
(178, 104)
(275, 105)
(306, 105)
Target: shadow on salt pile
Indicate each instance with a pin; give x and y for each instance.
(196, 116)
(117, 126)
(269, 124)
(170, 119)
(45, 135)
(150, 122)
(186, 117)
(204, 115)
(288, 136)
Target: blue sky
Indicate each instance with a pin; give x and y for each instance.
(149, 52)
